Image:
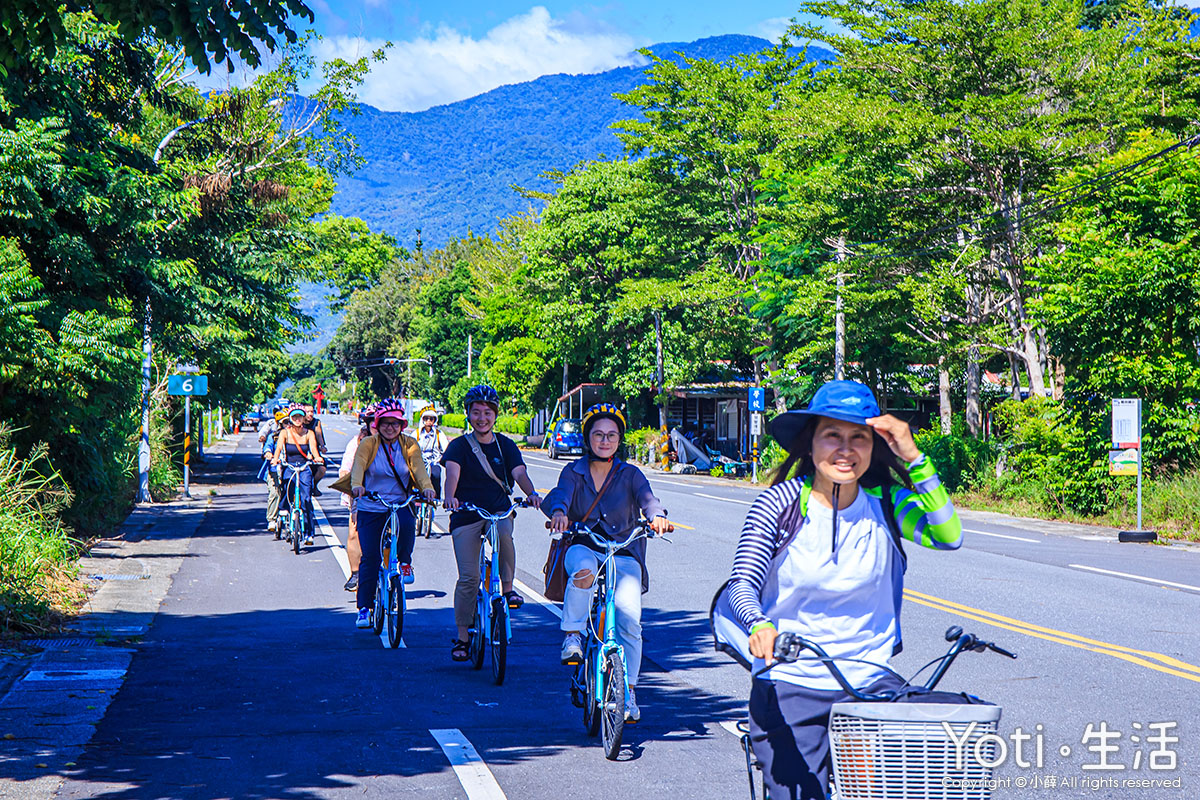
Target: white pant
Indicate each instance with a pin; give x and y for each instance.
(628, 599)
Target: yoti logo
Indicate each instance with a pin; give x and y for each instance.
(850, 401)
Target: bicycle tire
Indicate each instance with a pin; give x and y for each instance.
(377, 609)
(499, 640)
(395, 611)
(612, 711)
(475, 640)
(427, 521)
(297, 531)
(591, 702)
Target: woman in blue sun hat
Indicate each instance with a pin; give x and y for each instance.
(820, 554)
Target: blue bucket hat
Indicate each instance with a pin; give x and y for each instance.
(850, 401)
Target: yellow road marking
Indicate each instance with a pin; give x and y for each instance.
(1184, 670)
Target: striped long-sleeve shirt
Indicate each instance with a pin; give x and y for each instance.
(924, 516)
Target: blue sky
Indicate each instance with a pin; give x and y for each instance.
(453, 49)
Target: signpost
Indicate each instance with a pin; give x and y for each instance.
(188, 385)
(758, 404)
(1127, 448)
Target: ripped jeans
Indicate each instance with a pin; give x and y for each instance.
(628, 599)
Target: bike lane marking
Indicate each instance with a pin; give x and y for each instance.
(1169, 665)
(467, 764)
(339, 552)
(1000, 535)
(725, 499)
(335, 544)
(1155, 581)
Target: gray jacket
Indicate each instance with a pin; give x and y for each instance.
(618, 514)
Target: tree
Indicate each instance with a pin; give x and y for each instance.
(200, 29)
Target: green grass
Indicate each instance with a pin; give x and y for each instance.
(37, 552)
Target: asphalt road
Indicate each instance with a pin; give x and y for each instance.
(253, 682)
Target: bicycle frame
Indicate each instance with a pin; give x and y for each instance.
(490, 587)
(389, 569)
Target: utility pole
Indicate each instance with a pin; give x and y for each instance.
(839, 320)
(662, 401)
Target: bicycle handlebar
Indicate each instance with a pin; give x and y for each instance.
(408, 501)
(788, 647)
(600, 540)
(494, 516)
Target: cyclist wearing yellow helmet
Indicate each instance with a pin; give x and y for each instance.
(609, 495)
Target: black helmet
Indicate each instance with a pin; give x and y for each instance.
(596, 413)
(481, 394)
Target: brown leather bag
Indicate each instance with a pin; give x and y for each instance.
(555, 568)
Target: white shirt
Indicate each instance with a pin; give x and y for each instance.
(841, 600)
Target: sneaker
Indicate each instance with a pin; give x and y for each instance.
(632, 712)
(273, 525)
(572, 649)
(308, 540)
(352, 584)
(406, 572)
(316, 492)
(364, 618)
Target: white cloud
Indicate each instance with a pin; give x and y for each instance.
(776, 27)
(444, 65)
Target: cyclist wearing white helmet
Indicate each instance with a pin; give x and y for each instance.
(433, 445)
(366, 421)
(608, 495)
(481, 467)
(389, 465)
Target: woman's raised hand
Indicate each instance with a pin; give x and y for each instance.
(897, 434)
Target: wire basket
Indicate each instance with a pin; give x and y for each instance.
(902, 751)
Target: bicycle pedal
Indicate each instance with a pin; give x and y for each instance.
(573, 662)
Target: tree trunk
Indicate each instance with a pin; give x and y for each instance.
(839, 319)
(974, 421)
(1016, 377)
(658, 356)
(945, 413)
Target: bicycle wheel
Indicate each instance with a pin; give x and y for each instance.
(297, 530)
(499, 639)
(427, 520)
(395, 611)
(377, 608)
(591, 700)
(476, 637)
(613, 706)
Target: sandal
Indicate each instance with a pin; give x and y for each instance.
(459, 650)
(514, 600)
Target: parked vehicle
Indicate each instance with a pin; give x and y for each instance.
(335, 407)
(566, 438)
(251, 418)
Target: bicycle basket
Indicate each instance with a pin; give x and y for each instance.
(902, 751)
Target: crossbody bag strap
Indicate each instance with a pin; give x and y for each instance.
(478, 451)
(599, 494)
(407, 487)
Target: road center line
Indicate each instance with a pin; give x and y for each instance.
(1000, 535)
(472, 772)
(726, 499)
(1155, 581)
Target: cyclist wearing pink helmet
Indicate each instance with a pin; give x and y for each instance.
(391, 466)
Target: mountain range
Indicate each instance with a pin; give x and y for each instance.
(451, 169)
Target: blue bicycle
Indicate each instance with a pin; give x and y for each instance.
(600, 685)
(491, 628)
(390, 602)
(296, 522)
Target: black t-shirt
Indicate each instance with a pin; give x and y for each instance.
(474, 485)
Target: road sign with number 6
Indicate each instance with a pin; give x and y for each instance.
(187, 385)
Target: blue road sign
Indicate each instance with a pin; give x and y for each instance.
(187, 385)
(758, 398)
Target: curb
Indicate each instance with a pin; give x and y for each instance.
(51, 702)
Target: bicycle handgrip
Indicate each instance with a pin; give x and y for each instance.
(1001, 650)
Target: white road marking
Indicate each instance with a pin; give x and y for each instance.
(75, 675)
(726, 499)
(339, 552)
(538, 597)
(335, 544)
(471, 770)
(1000, 535)
(543, 466)
(1155, 581)
(731, 726)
